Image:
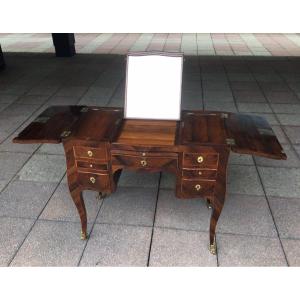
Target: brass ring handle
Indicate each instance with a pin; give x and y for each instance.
(90, 153)
(92, 179)
(143, 163)
(200, 159)
(198, 187)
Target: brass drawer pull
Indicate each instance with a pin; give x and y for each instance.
(198, 187)
(90, 153)
(199, 173)
(143, 163)
(92, 179)
(200, 159)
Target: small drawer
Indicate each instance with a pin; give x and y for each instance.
(201, 188)
(200, 160)
(143, 162)
(91, 165)
(98, 182)
(199, 173)
(89, 152)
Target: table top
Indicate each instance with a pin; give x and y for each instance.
(248, 134)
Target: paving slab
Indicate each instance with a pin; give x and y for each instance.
(32, 99)
(70, 91)
(57, 149)
(293, 133)
(25, 198)
(44, 168)
(244, 214)
(240, 159)
(62, 208)
(168, 181)
(129, 206)
(243, 180)
(281, 182)
(13, 232)
(286, 212)
(51, 244)
(254, 107)
(117, 245)
(289, 119)
(249, 251)
(180, 248)
(189, 214)
(292, 250)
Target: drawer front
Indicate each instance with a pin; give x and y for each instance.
(89, 152)
(92, 166)
(200, 160)
(143, 162)
(199, 173)
(201, 188)
(98, 182)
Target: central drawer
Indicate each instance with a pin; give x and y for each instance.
(145, 162)
(200, 160)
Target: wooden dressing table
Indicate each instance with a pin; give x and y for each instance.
(99, 143)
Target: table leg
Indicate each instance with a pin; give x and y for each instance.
(2, 62)
(64, 44)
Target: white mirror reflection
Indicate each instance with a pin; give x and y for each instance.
(153, 86)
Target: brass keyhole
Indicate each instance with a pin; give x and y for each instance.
(198, 187)
(200, 159)
(143, 163)
(90, 153)
(92, 179)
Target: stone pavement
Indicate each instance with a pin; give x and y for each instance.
(250, 44)
(143, 223)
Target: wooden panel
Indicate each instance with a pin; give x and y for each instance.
(94, 181)
(252, 135)
(90, 152)
(198, 127)
(200, 160)
(48, 126)
(147, 132)
(91, 166)
(199, 173)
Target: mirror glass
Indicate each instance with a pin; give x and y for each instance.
(153, 86)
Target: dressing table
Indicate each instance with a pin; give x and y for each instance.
(100, 142)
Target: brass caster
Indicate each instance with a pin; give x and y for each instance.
(83, 235)
(208, 204)
(213, 248)
(101, 196)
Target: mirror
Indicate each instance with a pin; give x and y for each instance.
(153, 86)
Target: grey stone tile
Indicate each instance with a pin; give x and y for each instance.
(243, 214)
(293, 133)
(3, 183)
(71, 91)
(291, 162)
(115, 245)
(51, 149)
(9, 124)
(62, 208)
(297, 148)
(286, 108)
(281, 182)
(214, 85)
(129, 206)
(93, 101)
(19, 109)
(289, 119)
(43, 90)
(62, 100)
(32, 99)
(254, 107)
(282, 97)
(280, 134)
(178, 248)
(286, 212)
(249, 96)
(9, 146)
(240, 159)
(246, 251)
(168, 181)
(217, 96)
(51, 244)
(190, 214)
(24, 198)
(218, 106)
(292, 251)
(11, 163)
(13, 232)
(243, 180)
(138, 179)
(271, 118)
(44, 168)
(15, 89)
(8, 99)
(101, 92)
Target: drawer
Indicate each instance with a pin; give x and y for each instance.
(92, 166)
(200, 160)
(143, 162)
(89, 152)
(99, 182)
(199, 173)
(201, 188)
